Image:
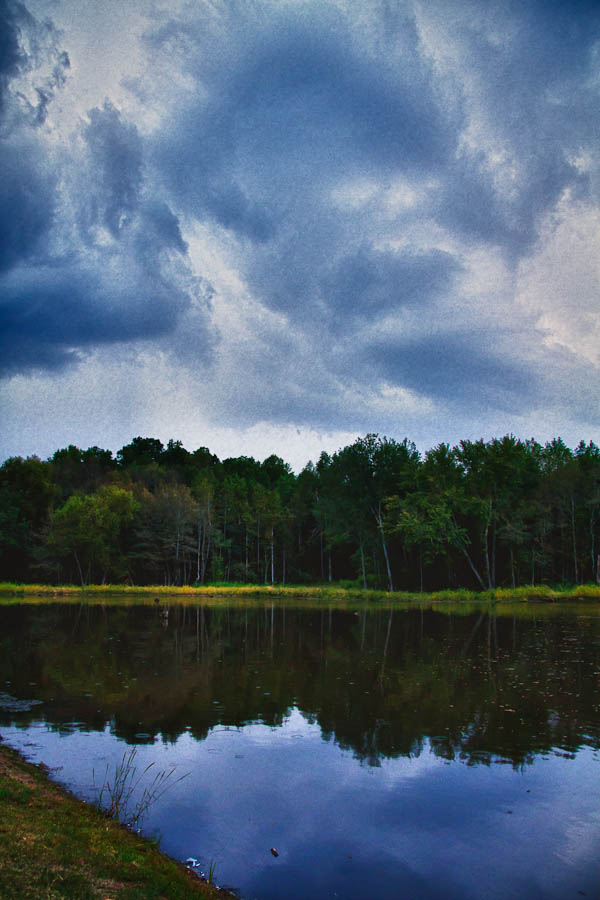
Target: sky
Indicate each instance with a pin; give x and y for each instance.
(270, 226)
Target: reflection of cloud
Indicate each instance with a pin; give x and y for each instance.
(581, 823)
(410, 823)
(581, 837)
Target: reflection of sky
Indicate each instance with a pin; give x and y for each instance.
(414, 827)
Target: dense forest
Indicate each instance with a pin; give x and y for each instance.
(377, 513)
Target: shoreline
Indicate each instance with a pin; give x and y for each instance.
(329, 593)
(53, 844)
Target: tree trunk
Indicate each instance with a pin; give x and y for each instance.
(494, 554)
(322, 563)
(362, 564)
(79, 567)
(379, 520)
(486, 556)
(258, 549)
(199, 542)
(592, 545)
(575, 567)
(473, 568)
(205, 554)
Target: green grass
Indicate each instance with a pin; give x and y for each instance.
(54, 847)
(318, 592)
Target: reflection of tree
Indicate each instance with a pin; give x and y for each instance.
(479, 686)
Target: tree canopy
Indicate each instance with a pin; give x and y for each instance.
(377, 512)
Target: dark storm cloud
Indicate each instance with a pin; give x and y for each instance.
(27, 186)
(116, 153)
(161, 228)
(534, 69)
(27, 195)
(290, 98)
(293, 104)
(294, 101)
(458, 369)
(371, 282)
(310, 81)
(12, 57)
(360, 168)
(116, 195)
(90, 255)
(355, 286)
(28, 46)
(50, 316)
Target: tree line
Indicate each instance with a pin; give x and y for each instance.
(377, 512)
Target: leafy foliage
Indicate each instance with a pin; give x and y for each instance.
(481, 514)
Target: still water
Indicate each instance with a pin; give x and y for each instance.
(411, 753)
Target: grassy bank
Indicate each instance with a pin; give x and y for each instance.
(327, 593)
(54, 846)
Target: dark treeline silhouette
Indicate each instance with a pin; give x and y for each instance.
(479, 515)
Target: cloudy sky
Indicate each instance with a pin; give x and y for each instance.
(273, 225)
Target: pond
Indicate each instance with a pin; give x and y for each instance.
(447, 752)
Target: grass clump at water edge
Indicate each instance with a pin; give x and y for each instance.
(56, 847)
(124, 798)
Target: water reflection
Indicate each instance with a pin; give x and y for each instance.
(358, 743)
(379, 682)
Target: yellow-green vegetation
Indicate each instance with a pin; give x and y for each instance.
(53, 846)
(327, 593)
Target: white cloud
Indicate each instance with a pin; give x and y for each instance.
(560, 281)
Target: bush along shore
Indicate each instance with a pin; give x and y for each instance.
(56, 847)
(329, 593)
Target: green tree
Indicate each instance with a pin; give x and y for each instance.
(142, 451)
(203, 492)
(431, 517)
(83, 471)
(90, 530)
(27, 497)
(360, 479)
(166, 534)
(588, 465)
